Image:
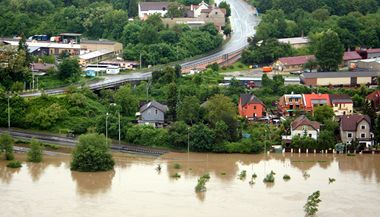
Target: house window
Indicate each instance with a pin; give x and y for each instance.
(349, 135)
(254, 107)
(296, 99)
(156, 111)
(310, 135)
(363, 127)
(297, 106)
(362, 135)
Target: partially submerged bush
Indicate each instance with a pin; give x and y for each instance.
(201, 185)
(311, 206)
(176, 176)
(177, 166)
(14, 164)
(242, 175)
(286, 177)
(35, 152)
(269, 177)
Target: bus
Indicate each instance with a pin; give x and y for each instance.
(109, 69)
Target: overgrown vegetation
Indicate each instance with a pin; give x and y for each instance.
(6, 145)
(201, 185)
(92, 154)
(14, 164)
(269, 178)
(35, 151)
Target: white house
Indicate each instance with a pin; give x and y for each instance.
(302, 126)
(197, 9)
(148, 8)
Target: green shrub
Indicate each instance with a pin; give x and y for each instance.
(242, 175)
(311, 206)
(177, 166)
(269, 178)
(35, 152)
(92, 154)
(14, 164)
(201, 185)
(6, 145)
(176, 176)
(286, 177)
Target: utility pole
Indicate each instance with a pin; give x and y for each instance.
(140, 60)
(9, 114)
(119, 129)
(107, 128)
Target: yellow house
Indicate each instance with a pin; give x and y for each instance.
(342, 104)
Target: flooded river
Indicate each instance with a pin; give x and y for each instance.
(136, 188)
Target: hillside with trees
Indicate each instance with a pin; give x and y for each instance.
(355, 22)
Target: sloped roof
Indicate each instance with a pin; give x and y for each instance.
(340, 98)
(147, 6)
(248, 99)
(313, 97)
(351, 55)
(373, 50)
(339, 74)
(295, 40)
(154, 104)
(297, 60)
(374, 95)
(350, 122)
(41, 66)
(304, 121)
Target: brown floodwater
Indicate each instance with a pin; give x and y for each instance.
(136, 188)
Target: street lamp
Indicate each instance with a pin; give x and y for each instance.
(9, 114)
(107, 128)
(118, 112)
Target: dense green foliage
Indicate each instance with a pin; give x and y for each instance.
(92, 154)
(354, 22)
(312, 203)
(6, 146)
(14, 164)
(35, 152)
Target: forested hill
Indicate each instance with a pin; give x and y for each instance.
(93, 18)
(357, 22)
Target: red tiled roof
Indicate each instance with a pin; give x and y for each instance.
(351, 55)
(373, 50)
(374, 95)
(304, 121)
(308, 98)
(297, 60)
(350, 122)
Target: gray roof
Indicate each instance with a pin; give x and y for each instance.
(146, 6)
(83, 41)
(248, 98)
(340, 74)
(340, 98)
(154, 104)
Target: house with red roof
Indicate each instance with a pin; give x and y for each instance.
(373, 53)
(374, 99)
(315, 99)
(350, 57)
(251, 107)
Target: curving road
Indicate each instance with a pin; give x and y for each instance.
(243, 23)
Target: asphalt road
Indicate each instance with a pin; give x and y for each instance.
(51, 138)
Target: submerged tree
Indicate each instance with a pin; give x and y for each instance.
(311, 206)
(92, 154)
(35, 152)
(6, 145)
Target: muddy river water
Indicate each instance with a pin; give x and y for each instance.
(136, 188)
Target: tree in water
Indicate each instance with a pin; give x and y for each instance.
(6, 145)
(92, 154)
(35, 152)
(311, 206)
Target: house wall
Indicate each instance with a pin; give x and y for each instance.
(343, 109)
(301, 132)
(333, 81)
(309, 81)
(197, 11)
(153, 114)
(373, 55)
(116, 47)
(145, 14)
(96, 59)
(285, 105)
(369, 65)
(367, 131)
(57, 51)
(364, 80)
(252, 110)
(218, 22)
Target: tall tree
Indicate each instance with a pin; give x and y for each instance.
(172, 100)
(329, 51)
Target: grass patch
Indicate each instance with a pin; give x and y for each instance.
(238, 66)
(14, 164)
(286, 177)
(177, 166)
(350, 154)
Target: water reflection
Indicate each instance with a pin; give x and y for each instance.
(36, 170)
(6, 173)
(92, 183)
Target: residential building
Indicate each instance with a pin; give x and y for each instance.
(152, 113)
(374, 99)
(197, 9)
(288, 64)
(290, 104)
(121, 63)
(148, 8)
(349, 78)
(296, 42)
(356, 127)
(373, 53)
(41, 67)
(350, 57)
(369, 64)
(342, 104)
(251, 107)
(302, 126)
(315, 99)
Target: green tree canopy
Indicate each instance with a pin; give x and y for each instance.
(323, 113)
(329, 51)
(92, 154)
(6, 145)
(69, 68)
(35, 151)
